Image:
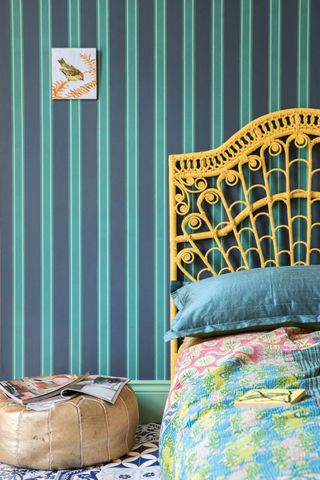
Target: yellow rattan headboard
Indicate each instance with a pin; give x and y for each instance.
(253, 202)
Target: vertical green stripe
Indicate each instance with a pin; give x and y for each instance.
(103, 191)
(46, 190)
(132, 171)
(188, 85)
(75, 205)
(217, 133)
(160, 274)
(303, 53)
(303, 96)
(217, 73)
(245, 62)
(188, 75)
(275, 95)
(275, 56)
(246, 84)
(17, 187)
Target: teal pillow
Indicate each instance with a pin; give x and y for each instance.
(261, 298)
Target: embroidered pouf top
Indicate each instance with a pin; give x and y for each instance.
(79, 432)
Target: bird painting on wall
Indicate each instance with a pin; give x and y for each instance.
(72, 73)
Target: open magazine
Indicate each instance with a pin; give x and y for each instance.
(31, 389)
(106, 388)
(42, 393)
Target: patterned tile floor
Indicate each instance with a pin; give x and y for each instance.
(140, 464)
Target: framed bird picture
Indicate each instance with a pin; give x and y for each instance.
(74, 74)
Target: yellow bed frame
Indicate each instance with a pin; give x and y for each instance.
(225, 204)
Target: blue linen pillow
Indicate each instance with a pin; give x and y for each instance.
(247, 300)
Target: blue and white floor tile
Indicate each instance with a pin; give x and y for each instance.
(139, 464)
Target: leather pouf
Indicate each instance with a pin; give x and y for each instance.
(79, 432)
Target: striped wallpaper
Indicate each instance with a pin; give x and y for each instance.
(83, 184)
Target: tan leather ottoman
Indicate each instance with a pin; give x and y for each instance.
(76, 433)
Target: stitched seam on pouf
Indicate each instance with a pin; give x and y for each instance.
(100, 402)
(107, 425)
(124, 403)
(49, 439)
(80, 429)
(18, 438)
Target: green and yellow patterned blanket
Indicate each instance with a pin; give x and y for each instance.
(205, 437)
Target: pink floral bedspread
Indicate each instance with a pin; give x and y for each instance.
(204, 436)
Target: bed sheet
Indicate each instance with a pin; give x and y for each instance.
(205, 437)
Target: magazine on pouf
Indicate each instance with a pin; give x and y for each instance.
(40, 393)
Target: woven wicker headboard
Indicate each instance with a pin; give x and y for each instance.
(253, 202)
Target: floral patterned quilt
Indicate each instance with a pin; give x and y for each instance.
(205, 437)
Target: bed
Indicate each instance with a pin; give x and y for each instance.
(245, 256)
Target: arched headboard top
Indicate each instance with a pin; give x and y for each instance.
(262, 130)
(253, 202)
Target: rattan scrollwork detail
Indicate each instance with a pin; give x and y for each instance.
(251, 202)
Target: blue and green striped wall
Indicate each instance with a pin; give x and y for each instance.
(83, 184)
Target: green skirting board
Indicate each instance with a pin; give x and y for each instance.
(152, 396)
